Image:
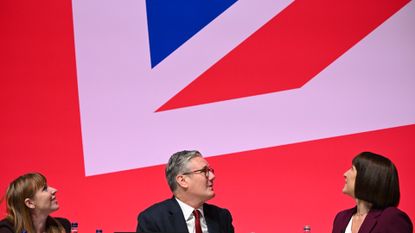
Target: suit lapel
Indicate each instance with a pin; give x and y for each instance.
(211, 220)
(345, 221)
(177, 220)
(370, 221)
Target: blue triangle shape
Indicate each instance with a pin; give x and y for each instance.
(172, 22)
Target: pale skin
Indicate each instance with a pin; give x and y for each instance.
(363, 207)
(195, 189)
(41, 205)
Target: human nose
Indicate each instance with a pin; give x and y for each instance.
(211, 175)
(345, 173)
(52, 190)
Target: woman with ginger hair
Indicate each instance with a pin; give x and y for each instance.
(29, 203)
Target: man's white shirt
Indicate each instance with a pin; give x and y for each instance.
(190, 218)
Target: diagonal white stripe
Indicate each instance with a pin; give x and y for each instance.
(368, 88)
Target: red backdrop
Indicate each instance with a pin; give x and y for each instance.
(289, 185)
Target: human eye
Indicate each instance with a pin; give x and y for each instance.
(202, 170)
(45, 188)
(205, 170)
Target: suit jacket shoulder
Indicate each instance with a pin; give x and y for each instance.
(342, 219)
(65, 223)
(165, 216)
(218, 220)
(389, 220)
(6, 226)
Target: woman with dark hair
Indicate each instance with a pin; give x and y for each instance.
(29, 201)
(373, 182)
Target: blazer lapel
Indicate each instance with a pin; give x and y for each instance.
(345, 220)
(211, 220)
(177, 220)
(370, 221)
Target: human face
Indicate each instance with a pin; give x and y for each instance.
(44, 200)
(200, 186)
(350, 179)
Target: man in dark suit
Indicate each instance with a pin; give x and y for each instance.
(190, 178)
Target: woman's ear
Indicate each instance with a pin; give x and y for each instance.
(29, 203)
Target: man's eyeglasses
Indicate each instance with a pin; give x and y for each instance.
(205, 171)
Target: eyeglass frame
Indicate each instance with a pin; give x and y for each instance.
(206, 170)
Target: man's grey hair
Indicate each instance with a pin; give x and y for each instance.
(178, 164)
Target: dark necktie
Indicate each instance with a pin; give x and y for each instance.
(198, 228)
